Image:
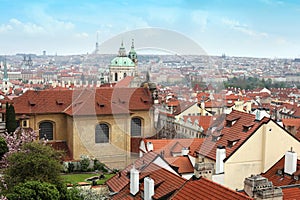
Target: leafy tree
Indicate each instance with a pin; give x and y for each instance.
(35, 162)
(34, 190)
(15, 140)
(10, 120)
(3, 147)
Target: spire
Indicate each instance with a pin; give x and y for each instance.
(122, 51)
(5, 75)
(132, 44)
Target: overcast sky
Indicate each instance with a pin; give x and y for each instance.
(256, 28)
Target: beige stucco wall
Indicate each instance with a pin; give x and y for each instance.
(59, 124)
(79, 132)
(193, 109)
(261, 151)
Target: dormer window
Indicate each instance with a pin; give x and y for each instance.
(231, 121)
(31, 102)
(231, 143)
(59, 102)
(247, 127)
(279, 172)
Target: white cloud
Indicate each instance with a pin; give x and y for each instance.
(199, 18)
(82, 35)
(243, 28)
(5, 28)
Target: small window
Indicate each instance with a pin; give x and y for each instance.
(24, 123)
(136, 127)
(102, 133)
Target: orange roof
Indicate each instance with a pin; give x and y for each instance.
(170, 146)
(206, 189)
(204, 121)
(183, 164)
(120, 180)
(281, 180)
(291, 193)
(125, 82)
(235, 133)
(166, 183)
(291, 122)
(86, 101)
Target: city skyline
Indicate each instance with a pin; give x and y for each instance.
(260, 28)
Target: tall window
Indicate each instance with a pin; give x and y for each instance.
(46, 130)
(116, 76)
(136, 127)
(102, 133)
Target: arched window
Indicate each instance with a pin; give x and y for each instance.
(102, 133)
(46, 130)
(125, 75)
(116, 76)
(136, 127)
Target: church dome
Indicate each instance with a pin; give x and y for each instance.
(122, 61)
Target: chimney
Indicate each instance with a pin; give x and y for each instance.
(148, 188)
(290, 162)
(185, 151)
(150, 146)
(134, 181)
(220, 156)
(257, 115)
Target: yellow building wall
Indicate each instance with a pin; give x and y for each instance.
(59, 124)
(261, 151)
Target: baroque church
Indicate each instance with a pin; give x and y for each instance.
(106, 123)
(125, 66)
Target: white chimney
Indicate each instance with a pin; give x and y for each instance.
(134, 181)
(220, 156)
(148, 188)
(290, 162)
(184, 151)
(150, 146)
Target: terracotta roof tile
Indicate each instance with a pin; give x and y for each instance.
(233, 133)
(206, 189)
(166, 183)
(86, 101)
(292, 193)
(167, 145)
(284, 179)
(183, 164)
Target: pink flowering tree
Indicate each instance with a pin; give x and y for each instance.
(15, 140)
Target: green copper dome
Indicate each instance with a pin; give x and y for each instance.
(122, 61)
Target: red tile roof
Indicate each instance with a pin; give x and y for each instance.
(166, 183)
(206, 189)
(120, 180)
(234, 133)
(169, 146)
(183, 164)
(291, 122)
(86, 101)
(284, 179)
(204, 121)
(292, 193)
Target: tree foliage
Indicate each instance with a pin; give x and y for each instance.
(35, 162)
(34, 190)
(253, 83)
(10, 119)
(3, 147)
(15, 140)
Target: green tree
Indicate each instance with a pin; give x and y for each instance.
(35, 162)
(10, 118)
(34, 190)
(3, 147)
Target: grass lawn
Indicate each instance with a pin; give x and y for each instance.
(75, 178)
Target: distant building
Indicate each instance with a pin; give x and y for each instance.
(123, 65)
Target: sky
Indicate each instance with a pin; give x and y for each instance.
(256, 28)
